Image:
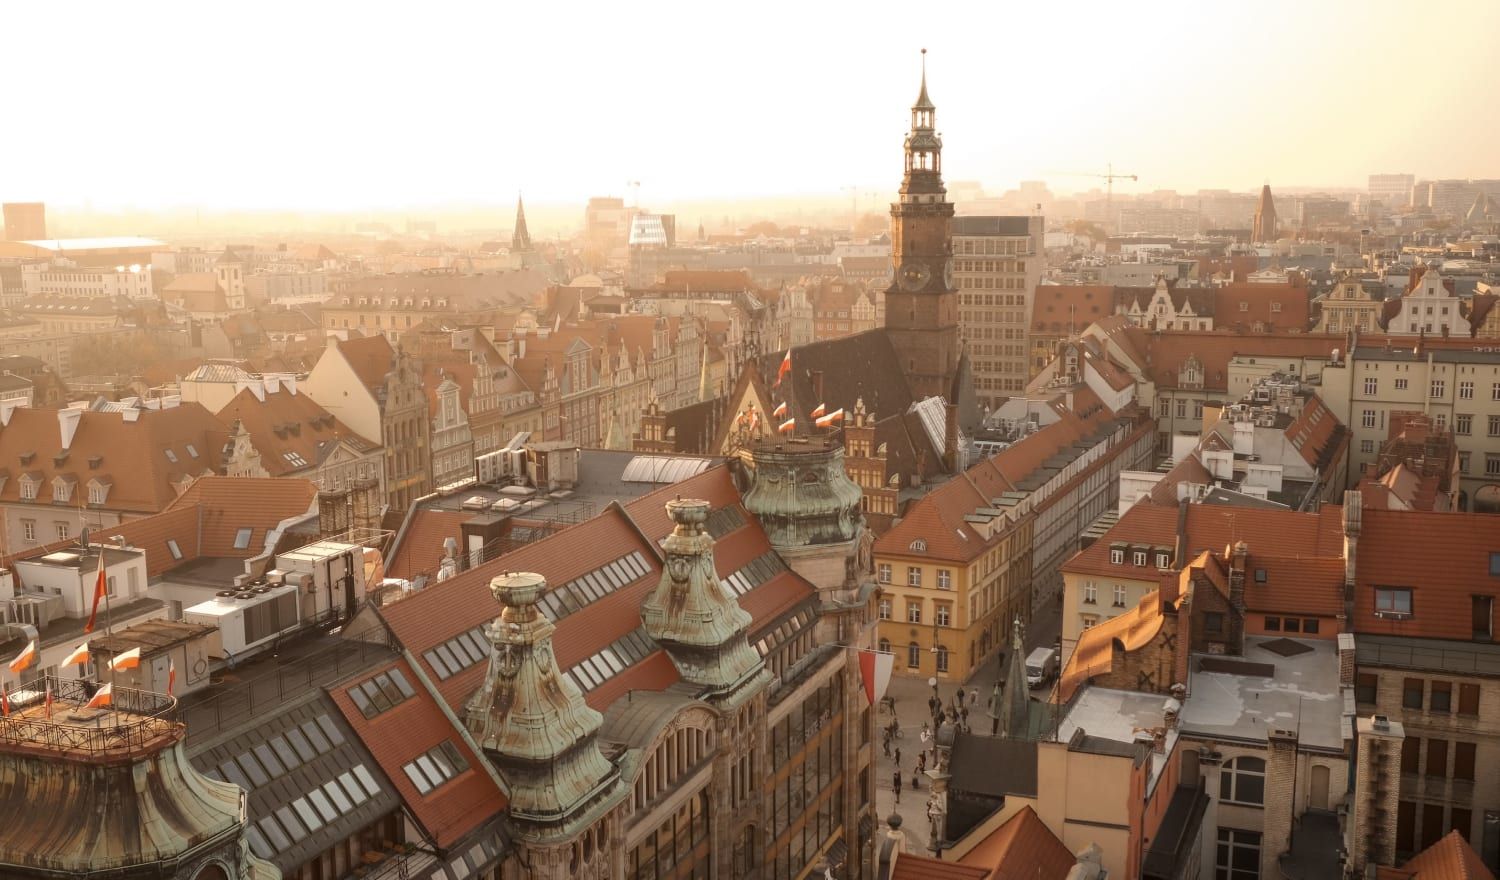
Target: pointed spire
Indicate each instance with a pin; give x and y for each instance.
(520, 239)
(924, 102)
(1012, 706)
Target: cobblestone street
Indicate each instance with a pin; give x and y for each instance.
(911, 695)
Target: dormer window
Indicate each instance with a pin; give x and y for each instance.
(1244, 306)
(29, 486)
(62, 490)
(1116, 556)
(1163, 559)
(98, 493)
(1140, 557)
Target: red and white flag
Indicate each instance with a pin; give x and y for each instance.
(102, 697)
(787, 426)
(780, 410)
(128, 660)
(819, 411)
(101, 584)
(4, 700)
(786, 367)
(171, 676)
(875, 671)
(80, 656)
(828, 420)
(49, 698)
(24, 659)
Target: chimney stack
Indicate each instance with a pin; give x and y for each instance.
(1370, 831)
(950, 438)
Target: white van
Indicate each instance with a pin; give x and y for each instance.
(1041, 665)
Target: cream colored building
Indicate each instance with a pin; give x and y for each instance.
(997, 264)
(1349, 306)
(51, 279)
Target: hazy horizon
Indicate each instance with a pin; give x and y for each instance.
(464, 107)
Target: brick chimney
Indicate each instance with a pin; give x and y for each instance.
(1237, 557)
(1281, 792)
(1370, 832)
(1346, 659)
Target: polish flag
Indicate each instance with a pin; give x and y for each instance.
(25, 658)
(819, 411)
(128, 660)
(835, 416)
(780, 410)
(100, 586)
(80, 656)
(4, 700)
(786, 367)
(102, 697)
(875, 671)
(49, 698)
(171, 676)
(787, 426)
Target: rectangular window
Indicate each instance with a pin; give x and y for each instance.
(1090, 592)
(1392, 601)
(1370, 386)
(1437, 758)
(1494, 426)
(1411, 753)
(1310, 626)
(1367, 418)
(1116, 556)
(885, 609)
(914, 612)
(1273, 624)
(173, 548)
(1441, 699)
(944, 615)
(1463, 462)
(884, 571)
(1466, 390)
(62, 531)
(1463, 761)
(1367, 446)
(242, 539)
(1482, 612)
(1463, 424)
(1140, 557)
(1411, 693)
(1293, 624)
(945, 579)
(1213, 622)
(1366, 686)
(28, 529)
(1406, 827)
(1237, 856)
(913, 576)
(1119, 595)
(1439, 386)
(1495, 391)
(1468, 699)
(435, 767)
(1400, 384)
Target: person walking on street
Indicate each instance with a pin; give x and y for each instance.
(898, 756)
(896, 783)
(885, 742)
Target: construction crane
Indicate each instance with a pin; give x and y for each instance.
(1109, 176)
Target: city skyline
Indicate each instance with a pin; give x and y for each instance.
(454, 110)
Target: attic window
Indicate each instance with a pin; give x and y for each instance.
(95, 461)
(1140, 557)
(98, 493)
(1116, 556)
(1494, 564)
(918, 546)
(242, 539)
(1260, 575)
(1162, 559)
(191, 451)
(29, 487)
(26, 457)
(173, 549)
(171, 456)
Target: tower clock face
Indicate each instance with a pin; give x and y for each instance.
(948, 274)
(914, 276)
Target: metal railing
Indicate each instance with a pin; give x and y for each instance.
(134, 721)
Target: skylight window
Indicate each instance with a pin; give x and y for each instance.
(436, 767)
(191, 451)
(174, 549)
(171, 456)
(295, 459)
(242, 539)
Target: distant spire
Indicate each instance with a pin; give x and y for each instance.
(924, 102)
(520, 239)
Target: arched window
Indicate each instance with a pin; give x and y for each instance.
(1243, 781)
(885, 645)
(942, 659)
(913, 656)
(212, 871)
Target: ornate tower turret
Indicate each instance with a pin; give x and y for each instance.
(921, 306)
(532, 721)
(691, 615)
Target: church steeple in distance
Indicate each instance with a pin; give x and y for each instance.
(921, 313)
(520, 239)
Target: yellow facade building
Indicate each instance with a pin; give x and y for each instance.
(953, 574)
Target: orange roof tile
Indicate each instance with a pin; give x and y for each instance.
(370, 357)
(1057, 307)
(1023, 848)
(1283, 308)
(421, 549)
(287, 428)
(1451, 858)
(399, 735)
(1444, 557)
(910, 866)
(1311, 586)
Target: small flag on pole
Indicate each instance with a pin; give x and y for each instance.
(100, 586)
(4, 700)
(80, 656)
(780, 410)
(826, 421)
(49, 698)
(822, 408)
(171, 676)
(102, 697)
(787, 426)
(24, 659)
(786, 367)
(128, 660)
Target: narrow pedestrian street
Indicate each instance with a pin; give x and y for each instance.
(911, 694)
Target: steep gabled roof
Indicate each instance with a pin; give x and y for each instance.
(290, 430)
(1023, 848)
(370, 357)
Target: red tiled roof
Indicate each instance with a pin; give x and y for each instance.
(287, 423)
(1444, 557)
(1023, 848)
(1311, 586)
(1451, 858)
(370, 358)
(1316, 436)
(910, 866)
(228, 504)
(1056, 307)
(1160, 354)
(421, 549)
(1260, 301)
(399, 735)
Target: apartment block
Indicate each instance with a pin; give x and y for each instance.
(997, 263)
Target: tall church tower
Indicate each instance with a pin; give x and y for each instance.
(921, 306)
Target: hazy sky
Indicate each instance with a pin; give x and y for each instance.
(323, 105)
